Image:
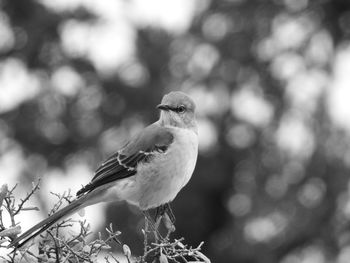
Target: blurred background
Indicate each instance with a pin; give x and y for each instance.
(272, 83)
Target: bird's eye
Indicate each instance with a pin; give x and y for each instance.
(181, 109)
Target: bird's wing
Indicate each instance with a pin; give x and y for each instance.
(122, 164)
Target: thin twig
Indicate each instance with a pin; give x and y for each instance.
(23, 201)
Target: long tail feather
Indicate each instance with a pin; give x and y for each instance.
(73, 207)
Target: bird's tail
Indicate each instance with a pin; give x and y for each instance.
(73, 207)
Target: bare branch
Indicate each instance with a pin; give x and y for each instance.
(29, 195)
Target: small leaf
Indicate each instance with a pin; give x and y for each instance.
(86, 249)
(202, 256)
(180, 245)
(127, 251)
(163, 258)
(3, 192)
(12, 231)
(43, 257)
(81, 212)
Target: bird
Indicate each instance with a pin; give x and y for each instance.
(148, 171)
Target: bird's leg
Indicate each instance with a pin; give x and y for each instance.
(158, 219)
(164, 212)
(152, 223)
(169, 219)
(165, 209)
(148, 219)
(159, 212)
(170, 213)
(145, 240)
(146, 235)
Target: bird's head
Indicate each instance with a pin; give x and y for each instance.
(178, 109)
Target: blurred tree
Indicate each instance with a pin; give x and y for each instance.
(271, 183)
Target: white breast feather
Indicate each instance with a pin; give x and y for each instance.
(162, 179)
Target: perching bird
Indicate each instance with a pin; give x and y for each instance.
(148, 171)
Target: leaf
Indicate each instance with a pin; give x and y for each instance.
(163, 258)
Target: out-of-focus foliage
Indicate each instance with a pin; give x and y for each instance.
(56, 245)
(269, 77)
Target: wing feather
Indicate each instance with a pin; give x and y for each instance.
(123, 164)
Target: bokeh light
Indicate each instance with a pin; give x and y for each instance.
(270, 79)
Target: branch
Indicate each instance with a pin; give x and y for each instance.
(35, 187)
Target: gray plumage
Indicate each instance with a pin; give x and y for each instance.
(148, 171)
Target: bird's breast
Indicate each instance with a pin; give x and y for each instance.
(162, 178)
(182, 156)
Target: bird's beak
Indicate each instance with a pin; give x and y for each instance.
(163, 107)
